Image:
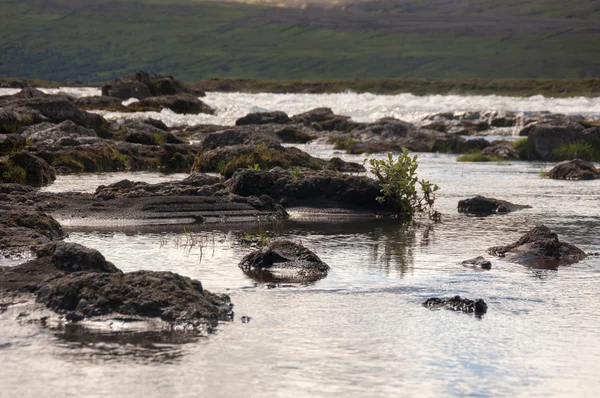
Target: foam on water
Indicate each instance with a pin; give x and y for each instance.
(361, 107)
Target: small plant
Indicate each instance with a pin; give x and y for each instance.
(295, 172)
(256, 166)
(477, 156)
(576, 150)
(525, 148)
(399, 183)
(12, 173)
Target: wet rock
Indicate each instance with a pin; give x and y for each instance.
(263, 118)
(188, 186)
(66, 133)
(576, 169)
(539, 248)
(25, 93)
(106, 103)
(324, 119)
(179, 103)
(26, 168)
(11, 143)
(73, 257)
(391, 134)
(23, 229)
(238, 136)
(294, 135)
(144, 85)
(319, 189)
(483, 206)
(171, 297)
(284, 261)
(228, 159)
(141, 132)
(501, 150)
(14, 118)
(555, 141)
(58, 108)
(456, 303)
(478, 262)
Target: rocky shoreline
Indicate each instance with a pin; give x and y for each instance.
(253, 177)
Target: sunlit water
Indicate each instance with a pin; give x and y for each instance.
(361, 331)
(361, 107)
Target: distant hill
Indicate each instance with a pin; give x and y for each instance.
(96, 40)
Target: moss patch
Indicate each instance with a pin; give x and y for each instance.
(10, 172)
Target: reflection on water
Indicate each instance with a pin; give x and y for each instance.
(360, 331)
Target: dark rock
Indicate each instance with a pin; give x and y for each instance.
(456, 303)
(323, 189)
(294, 135)
(14, 118)
(66, 133)
(478, 262)
(228, 159)
(501, 150)
(546, 138)
(482, 206)
(171, 297)
(21, 228)
(284, 261)
(324, 119)
(263, 118)
(141, 132)
(58, 108)
(238, 136)
(100, 103)
(576, 169)
(10, 143)
(179, 103)
(144, 85)
(37, 171)
(73, 257)
(539, 248)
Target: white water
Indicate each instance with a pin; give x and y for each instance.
(361, 107)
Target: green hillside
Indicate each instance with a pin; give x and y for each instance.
(96, 40)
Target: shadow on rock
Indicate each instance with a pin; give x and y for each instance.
(539, 248)
(284, 262)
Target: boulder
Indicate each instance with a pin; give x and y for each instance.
(483, 206)
(26, 168)
(263, 118)
(25, 93)
(456, 303)
(178, 103)
(546, 138)
(10, 143)
(23, 229)
(539, 248)
(575, 169)
(238, 136)
(284, 261)
(478, 263)
(73, 257)
(228, 159)
(144, 85)
(14, 118)
(173, 298)
(324, 119)
(105, 103)
(66, 133)
(142, 132)
(309, 188)
(502, 150)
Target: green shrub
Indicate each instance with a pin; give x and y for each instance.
(399, 183)
(11, 173)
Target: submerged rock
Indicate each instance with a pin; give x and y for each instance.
(478, 262)
(482, 206)
(284, 261)
(456, 303)
(576, 169)
(539, 248)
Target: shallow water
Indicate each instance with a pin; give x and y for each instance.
(361, 331)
